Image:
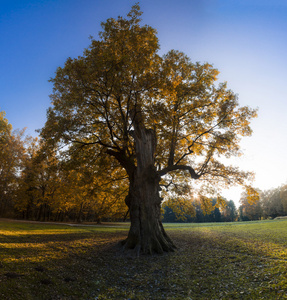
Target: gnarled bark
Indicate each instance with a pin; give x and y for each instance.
(146, 234)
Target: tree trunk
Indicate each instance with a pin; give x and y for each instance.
(79, 215)
(146, 234)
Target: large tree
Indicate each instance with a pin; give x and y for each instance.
(158, 117)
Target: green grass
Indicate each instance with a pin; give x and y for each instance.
(213, 261)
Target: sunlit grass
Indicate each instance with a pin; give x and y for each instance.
(236, 260)
(213, 261)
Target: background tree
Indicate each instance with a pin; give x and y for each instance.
(274, 202)
(178, 210)
(39, 181)
(12, 155)
(248, 210)
(229, 213)
(283, 196)
(156, 117)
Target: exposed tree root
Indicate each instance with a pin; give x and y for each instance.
(149, 245)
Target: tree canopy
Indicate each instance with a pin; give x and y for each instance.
(160, 118)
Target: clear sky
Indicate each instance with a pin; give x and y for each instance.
(246, 40)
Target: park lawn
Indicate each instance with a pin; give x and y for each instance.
(213, 261)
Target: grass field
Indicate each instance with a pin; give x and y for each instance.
(213, 261)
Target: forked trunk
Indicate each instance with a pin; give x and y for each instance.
(146, 234)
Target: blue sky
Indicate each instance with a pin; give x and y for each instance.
(245, 39)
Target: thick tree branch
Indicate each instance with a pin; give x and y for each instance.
(126, 162)
(168, 169)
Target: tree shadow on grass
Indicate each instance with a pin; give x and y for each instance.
(207, 265)
(220, 266)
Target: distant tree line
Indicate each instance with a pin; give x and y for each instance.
(272, 204)
(192, 211)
